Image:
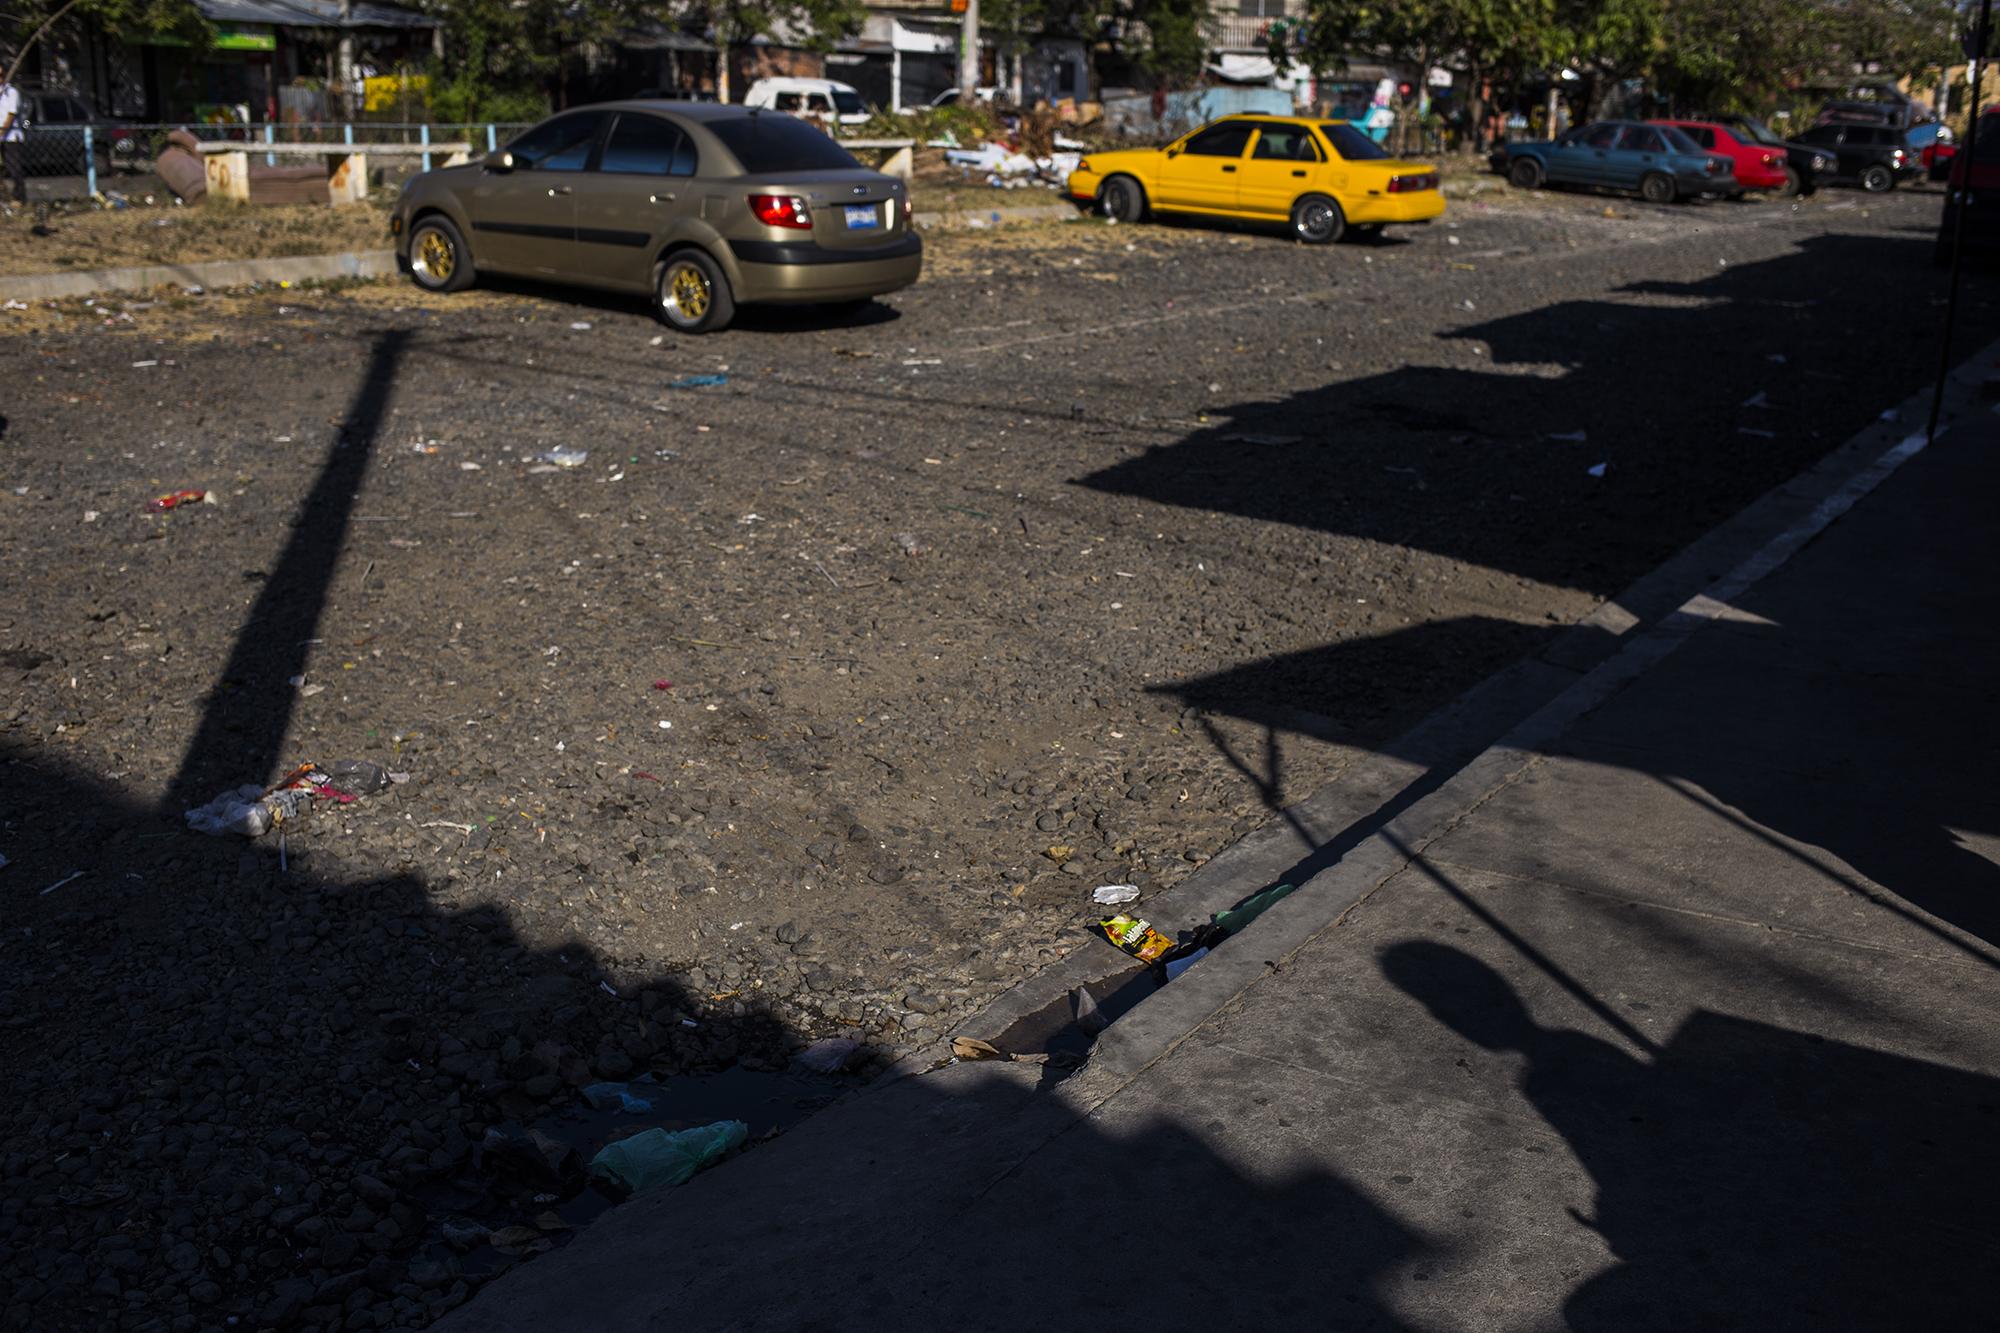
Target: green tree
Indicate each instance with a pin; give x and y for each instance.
(28, 21)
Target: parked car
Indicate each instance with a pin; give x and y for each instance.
(1973, 188)
(1658, 161)
(703, 206)
(1883, 106)
(1875, 157)
(1935, 146)
(815, 99)
(1756, 166)
(52, 126)
(1809, 164)
(1323, 176)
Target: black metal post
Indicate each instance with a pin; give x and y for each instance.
(1962, 200)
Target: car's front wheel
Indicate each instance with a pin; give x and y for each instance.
(439, 261)
(1122, 200)
(1658, 189)
(1525, 174)
(1317, 220)
(693, 295)
(1878, 179)
(1793, 186)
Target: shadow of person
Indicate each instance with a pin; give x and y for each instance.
(1749, 1176)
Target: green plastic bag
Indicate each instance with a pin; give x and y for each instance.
(654, 1158)
(1251, 908)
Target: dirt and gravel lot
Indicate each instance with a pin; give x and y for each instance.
(813, 702)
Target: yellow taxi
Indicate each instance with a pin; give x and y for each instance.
(1325, 177)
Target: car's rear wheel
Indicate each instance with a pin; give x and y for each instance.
(1793, 186)
(1525, 174)
(439, 261)
(1122, 200)
(693, 296)
(1658, 189)
(1878, 180)
(1317, 220)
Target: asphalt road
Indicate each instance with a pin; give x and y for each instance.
(814, 701)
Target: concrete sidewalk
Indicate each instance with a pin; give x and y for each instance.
(1676, 1011)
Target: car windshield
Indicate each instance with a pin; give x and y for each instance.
(1351, 143)
(1677, 139)
(1758, 130)
(847, 103)
(766, 143)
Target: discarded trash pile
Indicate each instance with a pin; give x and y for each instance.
(1014, 170)
(254, 811)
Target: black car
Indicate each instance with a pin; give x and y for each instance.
(52, 126)
(1875, 157)
(1811, 165)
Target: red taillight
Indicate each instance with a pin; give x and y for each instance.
(781, 210)
(1405, 184)
(1772, 159)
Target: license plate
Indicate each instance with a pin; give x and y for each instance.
(861, 217)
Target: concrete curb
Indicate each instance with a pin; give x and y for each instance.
(373, 263)
(1362, 828)
(1755, 543)
(221, 273)
(982, 218)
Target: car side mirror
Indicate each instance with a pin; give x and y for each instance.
(1175, 151)
(501, 161)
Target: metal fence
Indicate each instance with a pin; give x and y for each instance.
(78, 161)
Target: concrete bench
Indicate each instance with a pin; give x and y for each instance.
(899, 163)
(228, 164)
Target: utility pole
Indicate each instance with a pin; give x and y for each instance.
(968, 54)
(344, 63)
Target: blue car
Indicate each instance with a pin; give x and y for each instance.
(1658, 162)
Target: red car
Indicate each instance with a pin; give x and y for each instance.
(1759, 166)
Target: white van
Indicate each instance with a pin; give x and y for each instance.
(815, 99)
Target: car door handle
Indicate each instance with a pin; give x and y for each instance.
(1298, 173)
(659, 199)
(555, 190)
(1229, 168)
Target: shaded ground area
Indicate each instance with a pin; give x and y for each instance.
(812, 702)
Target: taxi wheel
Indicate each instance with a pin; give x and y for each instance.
(439, 261)
(1317, 220)
(693, 296)
(1123, 200)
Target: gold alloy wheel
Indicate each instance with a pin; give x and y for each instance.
(686, 295)
(434, 258)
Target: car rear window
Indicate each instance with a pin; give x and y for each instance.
(1352, 144)
(768, 143)
(1679, 140)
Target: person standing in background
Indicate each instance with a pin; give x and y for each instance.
(13, 140)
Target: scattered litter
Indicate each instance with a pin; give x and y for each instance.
(1115, 895)
(1596, 469)
(468, 466)
(1135, 937)
(1757, 399)
(141, 365)
(924, 361)
(446, 823)
(74, 875)
(699, 382)
(90, 516)
(1451, 240)
(655, 1158)
(657, 339)
(1573, 437)
(908, 541)
(15, 305)
(617, 1097)
(666, 725)
(1184, 962)
(161, 504)
(663, 685)
(253, 811)
(1258, 903)
(563, 456)
(1761, 434)
(829, 1055)
(1084, 1010)
(580, 326)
